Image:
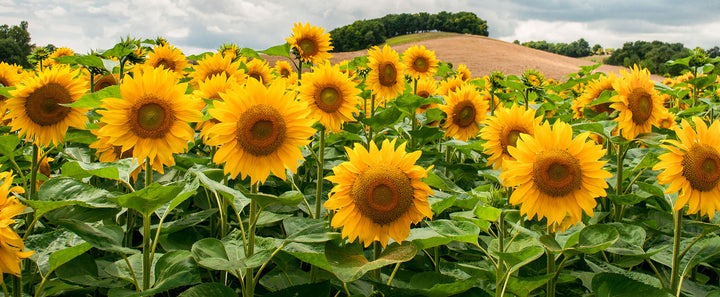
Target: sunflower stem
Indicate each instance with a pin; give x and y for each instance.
(372, 113)
(320, 173)
(17, 286)
(147, 260)
(377, 250)
(500, 269)
(92, 82)
(413, 119)
(674, 274)
(436, 256)
(392, 275)
(492, 101)
(527, 94)
(250, 249)
(618, 182)
(550, 290)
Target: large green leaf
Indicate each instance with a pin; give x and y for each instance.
(439, 181)
(237, 198)
(383, 118)
(209, 289)
(431, 284)
(45, 244)
(117, 170)
(321, 289)
(282, 50)
(83, 270)
(149, 199)
(290, 198)
(313, 230)
(65, 255)
(618, 285)
(462, 231)
(8, 143)
(595, 238)
(425, 238)
(214, 254)
(349, 264)
(107, 238)
(93, 100)
(311, 253)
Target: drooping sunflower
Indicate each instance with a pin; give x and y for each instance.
(168, 57)
(426, 87)
(465, 111)
(385, 78)
(259, 131)
(215, 64)
(259, 70)
(503, 131)
(692, 166)
(593, 90)
(211, 89)
(555, 175)
(379, 193)
(638, 102)
(35, 108)
(311, 43)
(420, 62)
(331, 96)
(60, 52)
(12, 247)
(463, 73)
(151, 118)
(104, 81)
(449, 85)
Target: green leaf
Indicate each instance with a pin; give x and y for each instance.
(550, 243)
(93, 100)
(117, 170)
(63, 256)
(438, 205)
(120, 270)
(702, 81)
(592, 127)
(83, 270)
(45, 244)
(174, 269)
(237, 198)
(349, 264)
(617, 285)
(432, 284)
(425, 238)
(8, 143)
(595, 238)
(250, 53)
(384, 118)
(487, 213)
(5, 91)
(462, 231)
(520, 258)
(311, 253)
(693, 110)
(70, 189)
(627, 199)
(321, 289)
(149, 199)
(290, 198)
(312, 232)
(213, 254)
(106, 238)
(441, 182)
(408, 103)
(209, 289)
(631, 240)
(282, 50)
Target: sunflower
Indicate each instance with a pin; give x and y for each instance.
(215, 64)
(379, 193)
(331, 96)
(593, 90)
(168, 57)
(449, 85)
(310, 43)
(420, 62)
(533, 80)
(667, 120)
(556, 176)
(638, 102)
(386, 77)
(283, 69)
(9, 77)
(463, 73)
(692, 166)
(503, 131)
(426, 87)
(229, 50)
(259, 70)
(151, 118)
(12, 248)
(104, 81)
(60, 52)
(465, 111)
(36, 109)
(259, 131)
(211, 89)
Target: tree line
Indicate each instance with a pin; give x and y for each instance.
(15, 44)
(363, 34)
(651, 55)
(576, 49)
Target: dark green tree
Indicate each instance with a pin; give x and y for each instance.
(15, 44)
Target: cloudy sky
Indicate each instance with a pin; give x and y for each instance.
(196, 26)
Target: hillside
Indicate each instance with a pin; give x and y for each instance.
(482, 55)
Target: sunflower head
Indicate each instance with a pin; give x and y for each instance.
(283, 69)
(426, 87)
(533, 79)
(465, 111)
(259, 130)
(36, 110)
(503, 131)
(168, 57)
(637, 101)
(259, 70)
(311, 44)
(331, 96)
(12, 249)
(378, 193)
(593, 91)
(463, 73)
(214, 64)
(692, 166)
(556, 176)
(385, 78)
(229, 50)
(152, 118)
(495, 80)
(449, 85)
(104, 81)
(420, 62)
(60, 52)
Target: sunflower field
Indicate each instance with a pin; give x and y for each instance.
(138, 171)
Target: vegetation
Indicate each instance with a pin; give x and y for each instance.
(576, 49)
(363, 34)
(651, 55)
(15, 44)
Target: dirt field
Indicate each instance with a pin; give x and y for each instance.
(483, 55)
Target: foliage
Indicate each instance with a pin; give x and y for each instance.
(579, 48)
(363, 34)
(650, 55)
(15, 44)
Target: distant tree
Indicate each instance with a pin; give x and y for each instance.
(579, 48)
(516, 41)
(713, 52)
(15, 44)
(597, 49)
(651, 55)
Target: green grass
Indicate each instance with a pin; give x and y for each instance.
(418, 37)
